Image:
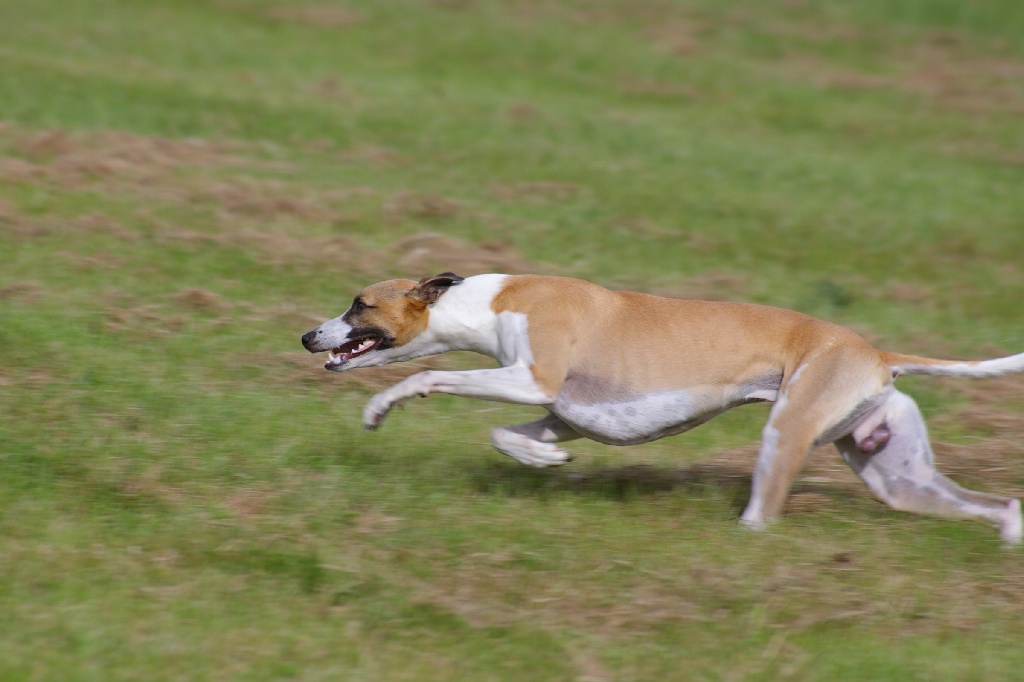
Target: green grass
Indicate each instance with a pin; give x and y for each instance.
(187, 187)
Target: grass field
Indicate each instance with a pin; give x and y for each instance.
(187, 186)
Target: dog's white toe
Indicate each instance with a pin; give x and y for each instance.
(375, 411)
(544, 455)
(528, 451)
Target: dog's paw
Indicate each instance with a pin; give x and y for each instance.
(1012, 527)
(528, 451)
(375, 411)
(416, 386)
(542, 455)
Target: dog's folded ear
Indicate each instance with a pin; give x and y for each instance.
(429, 289)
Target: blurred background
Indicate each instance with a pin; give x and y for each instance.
(187, 186)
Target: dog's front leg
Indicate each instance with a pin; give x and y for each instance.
(506, 384)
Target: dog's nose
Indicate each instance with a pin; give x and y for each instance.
(308, 337)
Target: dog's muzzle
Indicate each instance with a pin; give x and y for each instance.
(308, 340)
(342, 343)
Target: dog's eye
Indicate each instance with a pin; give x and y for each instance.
(359, 305)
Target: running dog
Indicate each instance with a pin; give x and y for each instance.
(624, 368)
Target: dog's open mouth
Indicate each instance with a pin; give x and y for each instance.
(336, 357)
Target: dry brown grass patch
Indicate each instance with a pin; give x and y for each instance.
(650, 87)
(426, 206)
(200, 299)
(155, 168)
(948, 78)
(430, 252)
(14, 224)
(78, 160)
(337, 253)
(266, 200)
(97, 223)
(126, 314)
(143, 320)
(149, 486)
(996, 464)
(249, 504)
(24, 292)
(523, 112)
(710, 286)
(370, 155)
(536, 192)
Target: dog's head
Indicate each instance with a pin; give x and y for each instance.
(383, 321)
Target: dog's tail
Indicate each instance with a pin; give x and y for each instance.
(912, 364)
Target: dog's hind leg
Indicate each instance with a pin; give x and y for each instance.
(823, 398)
(900, 471)
(533, 444)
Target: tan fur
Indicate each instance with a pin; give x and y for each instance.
(579, 328)
(391, 307)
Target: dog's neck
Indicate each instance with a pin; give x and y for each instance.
(462, 319)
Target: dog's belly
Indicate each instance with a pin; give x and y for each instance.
(636, 420)
(603, 413)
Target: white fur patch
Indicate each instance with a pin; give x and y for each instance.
(981, 368)
(462, 319)
(333, 333)
(635, 420)
(514, 340)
